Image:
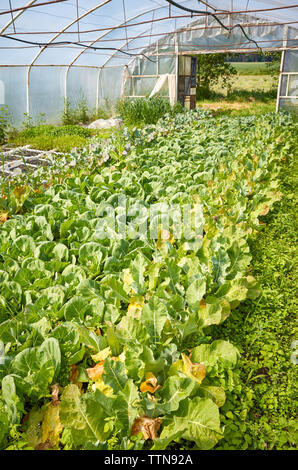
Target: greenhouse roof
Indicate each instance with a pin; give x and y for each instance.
(113, 32)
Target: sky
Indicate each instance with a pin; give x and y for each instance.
(41, 24)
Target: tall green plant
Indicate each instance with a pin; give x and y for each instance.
(142, 111)
(78, 114)
(4, 123)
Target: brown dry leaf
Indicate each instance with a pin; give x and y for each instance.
(150, 384)
(96, 372)
(265, 210)
(44, 445)
(147, 426)
(3, 217)
(194, 370)
(55, 395)
(74, 373)
(73, 376)
(25, 419)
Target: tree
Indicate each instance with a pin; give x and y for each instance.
(273, 64)
(211, 69)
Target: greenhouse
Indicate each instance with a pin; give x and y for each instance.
(48, 57)
(148, 229)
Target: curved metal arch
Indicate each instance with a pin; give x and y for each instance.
(17, 16)
(52, 40)
(102, 35)
(69, 25)
(110, 30)
(104, 64)
(126, 42)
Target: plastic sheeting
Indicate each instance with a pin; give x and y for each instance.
(37, 80)
(165, 86)
(288, 84)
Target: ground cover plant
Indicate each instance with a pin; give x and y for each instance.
(260, 413)
(115, 342)
(61, 138)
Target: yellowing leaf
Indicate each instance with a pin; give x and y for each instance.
(104, 388)
(19, 191)
(164, 236)
(44, 445)
(193, 370)
(264, 209)
(121, 357)
(44, 427)
(96, 372)
(135, 307)
(127, 278)
(3, 217)
(147, 426)
(51, 426)
(150, 384)
(102, 355)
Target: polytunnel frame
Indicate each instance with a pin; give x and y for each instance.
(69, 25)
(63, 30)
(284, 48)
(100, 68)
(125, 24)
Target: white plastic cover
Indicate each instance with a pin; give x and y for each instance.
(36, 79)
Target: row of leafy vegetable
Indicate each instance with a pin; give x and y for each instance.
(103, 338)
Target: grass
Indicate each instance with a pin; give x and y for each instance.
(255, 82)
(251, 68)
(247, 95)
(59, 138)
(237, 108)
(250, 84)
(260, 412)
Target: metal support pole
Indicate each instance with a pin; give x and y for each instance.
(280, 79)
(97, 91)
(28, 91)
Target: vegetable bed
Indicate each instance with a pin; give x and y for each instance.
(103, 338)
